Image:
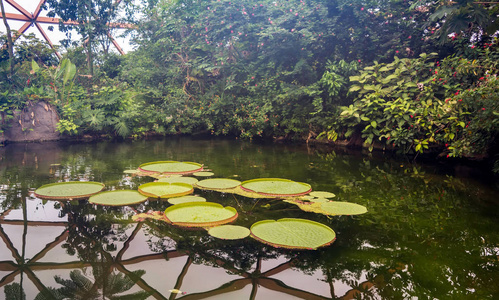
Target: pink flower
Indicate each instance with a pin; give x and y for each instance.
(361, 8)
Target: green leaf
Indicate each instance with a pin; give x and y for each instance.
(117, 198)
(69, 190)
(218, 183)
(69, 72)
(293, 233)
(200, 214)
(229, 232)
(276, 187)
(34, 66)
(165, 189)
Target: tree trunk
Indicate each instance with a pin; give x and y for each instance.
(10, 44)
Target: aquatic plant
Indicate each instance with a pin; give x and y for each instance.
(229, 232)
(165, 189)
(200, 214)
(293, 233)
(70, 190)
(117, 198)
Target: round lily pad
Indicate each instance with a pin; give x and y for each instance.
(276, 187)
(171, 167)
(118, 198)
(70, 190)
(293, 233)
(229, 232)
(185, 199)
(218, 183)
(200, 214)
(188, 180)
(322, 194)
(203, 174)
(343, 208)
(165, 189)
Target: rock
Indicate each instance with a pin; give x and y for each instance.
(36, 122)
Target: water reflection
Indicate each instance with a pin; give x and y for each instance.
(427, 235)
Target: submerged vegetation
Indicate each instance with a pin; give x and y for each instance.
(408, 76)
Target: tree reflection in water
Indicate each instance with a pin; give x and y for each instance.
(425, 236)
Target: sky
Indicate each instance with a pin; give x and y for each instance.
(55, 35)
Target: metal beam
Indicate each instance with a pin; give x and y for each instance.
(19, 8)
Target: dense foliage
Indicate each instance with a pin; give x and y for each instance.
(413, 76)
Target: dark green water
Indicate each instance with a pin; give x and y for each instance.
(430, 233)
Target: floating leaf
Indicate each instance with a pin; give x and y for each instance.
(118, 198)
(200, 214)
(186, 199)
(174, 179)
(293, 233)
(165, 189)
(319, 200)
(322, 194)
(171, 167)
(276, 187)
(70, 190)
(203, 174)
(343, 208)
(229, 232)
(218, 183)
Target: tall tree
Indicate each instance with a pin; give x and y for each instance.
(91, 16)
(10, 44)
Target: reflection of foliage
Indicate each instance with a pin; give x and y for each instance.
(14, 292)
(106, 286)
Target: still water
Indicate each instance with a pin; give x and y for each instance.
(430, 232)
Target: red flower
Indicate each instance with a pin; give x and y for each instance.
(483, 108)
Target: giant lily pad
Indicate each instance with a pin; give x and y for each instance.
(118, 198)
(229, 232)
(322, 194)
(343, 208)
(203, 174)
(188, 180)
(186, 199)
(293, 233)
(171, 167)
(276, 187)
(200, 214)
(165, 189)
(70, 190)
(218, 183)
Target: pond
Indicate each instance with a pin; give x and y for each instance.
(430, 230)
